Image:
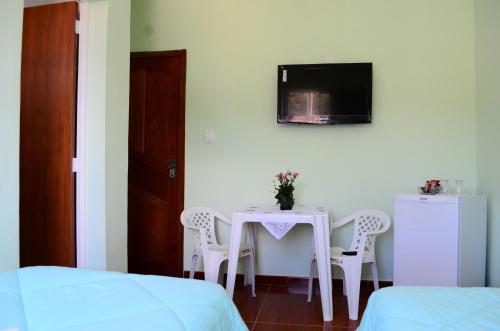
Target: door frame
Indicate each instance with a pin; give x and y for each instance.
(180, 167)
(81, 114)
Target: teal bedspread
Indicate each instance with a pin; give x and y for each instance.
(65, 299)
(432, 308)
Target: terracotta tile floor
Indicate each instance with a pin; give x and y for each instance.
(280, 307)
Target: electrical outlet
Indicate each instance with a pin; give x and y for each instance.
(209, 136)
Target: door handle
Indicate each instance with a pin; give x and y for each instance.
(172, 166)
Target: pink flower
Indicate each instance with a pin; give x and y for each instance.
(286, 178)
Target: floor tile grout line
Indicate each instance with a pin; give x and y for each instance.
(261, 307)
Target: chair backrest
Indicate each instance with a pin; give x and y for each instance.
(202, 219)
(368, 222)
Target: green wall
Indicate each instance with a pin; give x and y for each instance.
(95, 121)
(424, 110)
(11, 17)
(117, 87)
(107, 134)
(487, 18)
(424, 105)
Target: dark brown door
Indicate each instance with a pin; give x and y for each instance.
(48, 102)
(156, 163)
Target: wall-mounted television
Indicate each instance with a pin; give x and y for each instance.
(332, 93)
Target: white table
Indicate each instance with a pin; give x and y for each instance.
(318, 217)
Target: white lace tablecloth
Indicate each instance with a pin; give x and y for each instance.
(279, 229)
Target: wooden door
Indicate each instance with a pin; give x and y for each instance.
(48, 106)
(156, 163)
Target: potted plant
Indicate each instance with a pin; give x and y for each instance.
(283, 187)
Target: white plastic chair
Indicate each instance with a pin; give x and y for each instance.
(201, 220)
(367, 225)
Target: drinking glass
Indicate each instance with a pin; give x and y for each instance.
(444, 186)
(459, 186)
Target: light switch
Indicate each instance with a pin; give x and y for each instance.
(209, 136)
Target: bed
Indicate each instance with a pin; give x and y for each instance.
(432, 308)
(65, 299)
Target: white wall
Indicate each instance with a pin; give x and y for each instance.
(95, 123)
(11, 18)
(107, 134)
(117, 98)
(423, 108)
(487, 23)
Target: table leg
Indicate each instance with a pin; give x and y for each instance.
(251, 233)
(250, 274)
(322, 243)
(249, 239)
(234, 250)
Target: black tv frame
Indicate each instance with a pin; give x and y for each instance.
(338, 119)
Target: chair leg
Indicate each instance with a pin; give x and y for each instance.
(251, 272)
(212, 267)
(247, 271)
(194, 262)
(212, 271)
(344, 288)
(311, 280)
(220, 276)
(373, 267)
(353, 279)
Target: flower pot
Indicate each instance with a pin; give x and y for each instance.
(286, 202)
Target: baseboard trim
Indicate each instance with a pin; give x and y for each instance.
(295, 281)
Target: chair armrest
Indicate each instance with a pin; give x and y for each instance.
(342, 222)
(221, 217)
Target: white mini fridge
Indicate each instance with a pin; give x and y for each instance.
(440, 240)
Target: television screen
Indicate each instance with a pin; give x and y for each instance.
(334, 93)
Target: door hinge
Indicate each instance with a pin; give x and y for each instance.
(77, 27)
